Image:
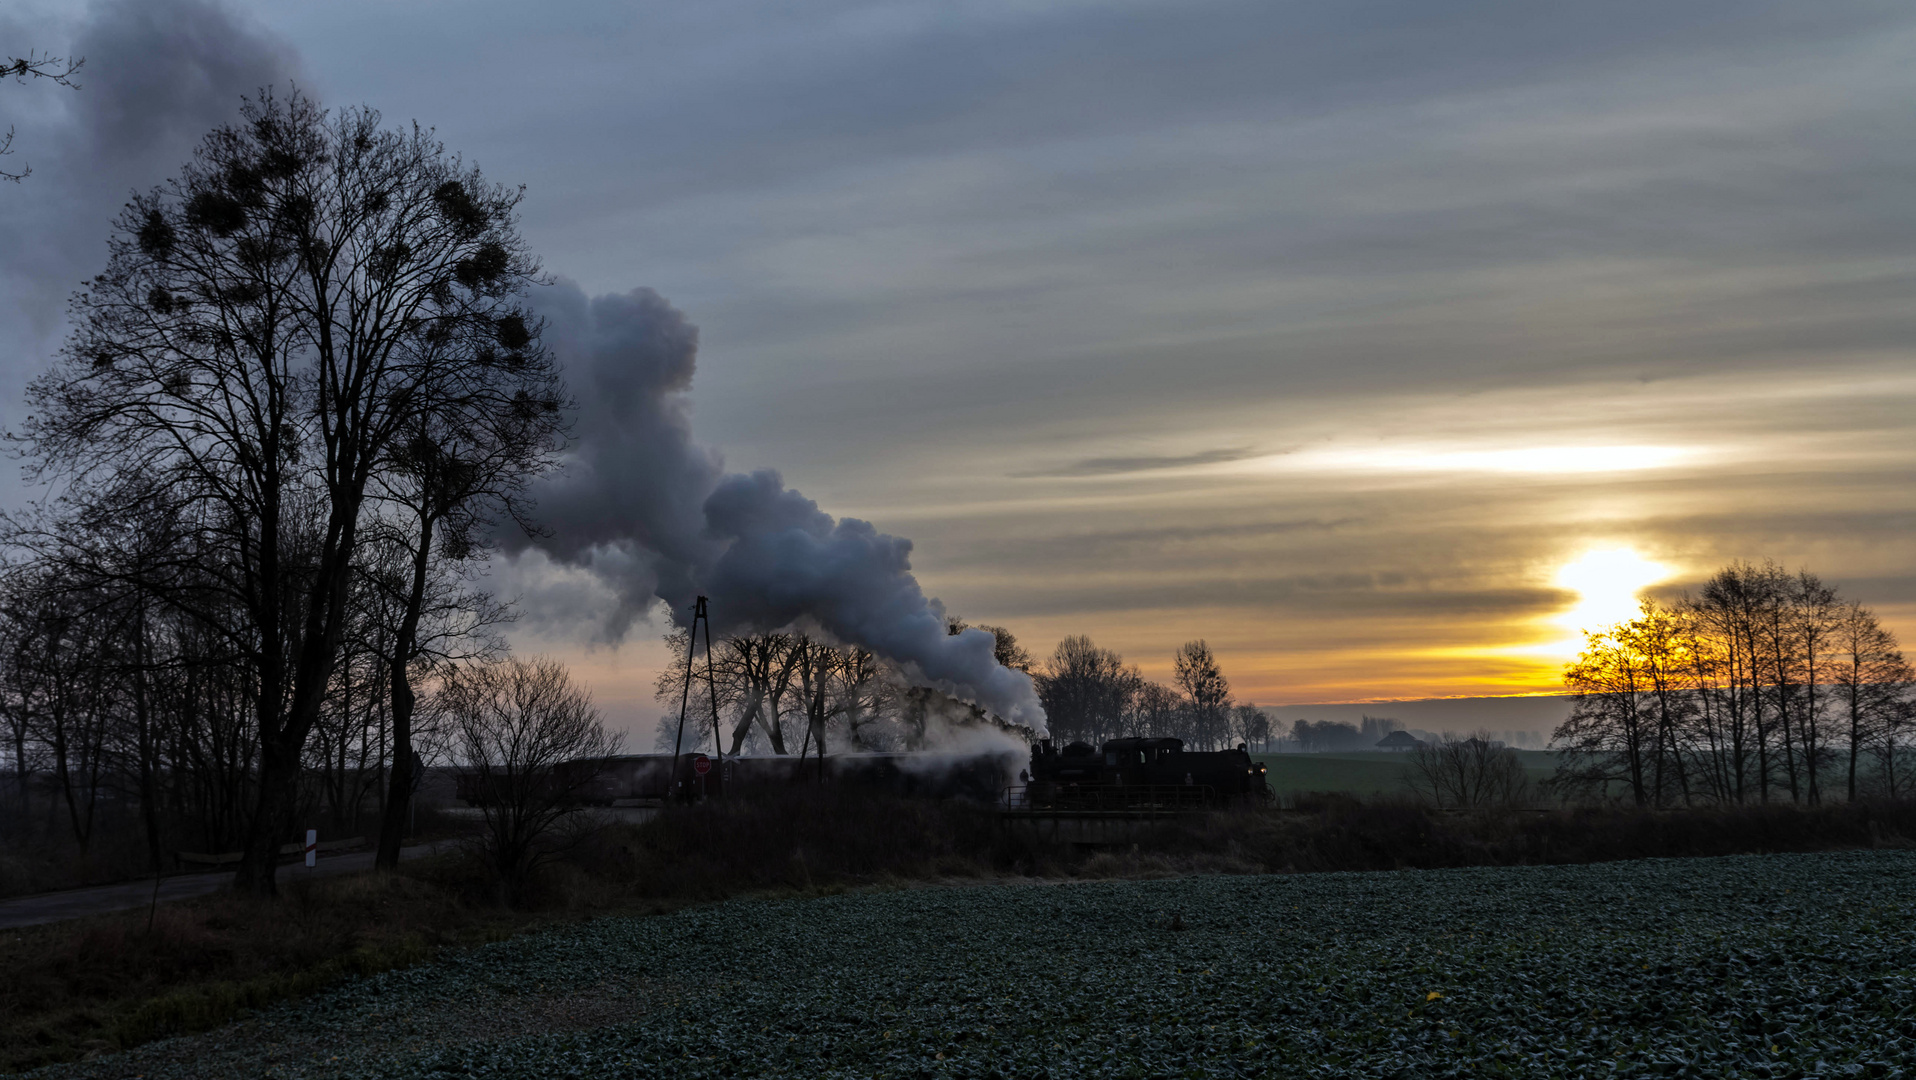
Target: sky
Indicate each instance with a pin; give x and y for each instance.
(1381, 345)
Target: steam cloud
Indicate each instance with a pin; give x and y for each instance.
(654, 515)
(159, 74)
(642, 506)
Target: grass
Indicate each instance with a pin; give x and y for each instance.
(1368, 774)
(112, 982)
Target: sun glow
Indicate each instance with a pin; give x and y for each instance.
(1607, 582)
(1537, 460)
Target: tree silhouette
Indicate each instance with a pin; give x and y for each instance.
(56, 69)
(281, 336)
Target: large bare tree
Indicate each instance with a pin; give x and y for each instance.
(271, 326)
(478, 432)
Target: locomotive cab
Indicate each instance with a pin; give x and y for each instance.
(1144, 761)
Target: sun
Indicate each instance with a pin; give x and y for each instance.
(1607, 582)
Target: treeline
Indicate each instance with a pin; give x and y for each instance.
(1766, 685)
(791, 693)
(289, 415)
(1090, 695)
(1337, 736)
(127, 715)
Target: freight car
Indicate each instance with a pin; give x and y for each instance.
(1140, 774)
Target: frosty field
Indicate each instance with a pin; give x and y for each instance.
(1779, 965)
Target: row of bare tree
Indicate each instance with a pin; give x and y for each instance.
(1090, 694)
(124, 706)
(1765, 685)
(791, 692)
(288, 415)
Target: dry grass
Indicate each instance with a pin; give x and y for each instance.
(803, 839)
(110, 982)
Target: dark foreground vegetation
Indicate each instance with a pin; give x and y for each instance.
(112, 983)
(1778, 965)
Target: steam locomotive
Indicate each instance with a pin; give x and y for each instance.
(1123, 775)
(1142, 774)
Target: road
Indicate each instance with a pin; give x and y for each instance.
(102, 899)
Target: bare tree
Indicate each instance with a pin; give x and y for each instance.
(1156, 710)
(516, 725)
(1609, 735)
(1727, 674)
(1087, 691)
(59, 70)
(756, 672)
(1207, 690)
(67, 636)
(1468, 771)
(269, 328)
(1754, 601)
(478, 433)
(772, 686)
(1763, 682)
(1251, 725)
(1006, 650)
(1660, 639)
(1871, 683)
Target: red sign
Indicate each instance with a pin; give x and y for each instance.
(701, 764)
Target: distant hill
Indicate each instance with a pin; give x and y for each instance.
(1537, 715)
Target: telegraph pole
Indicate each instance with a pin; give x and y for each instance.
(699, 616)
(711, 681)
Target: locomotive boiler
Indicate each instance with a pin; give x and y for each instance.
(1142, 774)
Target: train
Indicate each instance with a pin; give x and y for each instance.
(1121, 775)
(1142, 774)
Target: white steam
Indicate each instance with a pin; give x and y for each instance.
(654, 515)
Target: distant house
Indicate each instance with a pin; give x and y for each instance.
(1399, 740)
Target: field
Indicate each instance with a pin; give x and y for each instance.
(1776, 965)
(1368, 774)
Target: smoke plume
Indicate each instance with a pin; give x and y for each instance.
(159, 74)
(655, 516)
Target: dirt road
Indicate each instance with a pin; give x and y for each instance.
(101, 899)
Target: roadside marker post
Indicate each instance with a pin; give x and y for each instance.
(312, 848)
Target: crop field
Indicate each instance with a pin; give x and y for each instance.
(1751, 966)
(1368, 773)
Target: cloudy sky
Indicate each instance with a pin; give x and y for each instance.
(1380, 344)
